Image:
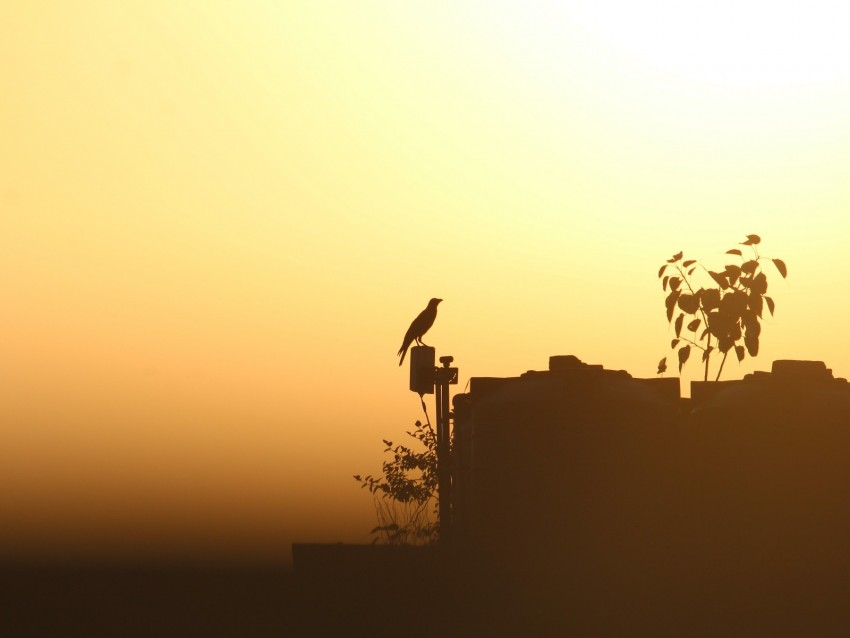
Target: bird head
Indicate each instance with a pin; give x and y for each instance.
(434, 302)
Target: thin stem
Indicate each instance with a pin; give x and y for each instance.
(685, 279)
(725, 354)
(693, 343)
(702, 312)
(425, 410)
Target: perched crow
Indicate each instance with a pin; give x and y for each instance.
(419, 327)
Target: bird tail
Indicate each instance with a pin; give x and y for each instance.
(402, 352)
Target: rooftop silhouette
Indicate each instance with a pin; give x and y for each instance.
(586, 501)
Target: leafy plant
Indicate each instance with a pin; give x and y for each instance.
(726, 313)
(406, 494)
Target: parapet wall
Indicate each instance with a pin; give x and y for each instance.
(599, 485)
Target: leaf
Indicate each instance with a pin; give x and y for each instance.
(770, 305)
(756, 303)
(707, 352)
(674, 283)
(781, 267)
(759, 286)
(710, 298)
(750, 266)
(751, 324)
(724, 344)
(735, 332)
(674, 343)
(662, 366)
(670, 302)
(664, 282)
(734, 304)
(719, 278)
(661, 272)
(677, 256)
(689, 262)
(752, 342)
(679, 320)
(688, 303)
(704, 335)
(751, 239)
(732, 272)
(734, 251)
(691, 271)
(693, 325)
(719, 323)
(684, 353)
(739, 352)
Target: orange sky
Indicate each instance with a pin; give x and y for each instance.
(218, 219)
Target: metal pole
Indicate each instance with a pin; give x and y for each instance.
(444, 470)
(438, 412)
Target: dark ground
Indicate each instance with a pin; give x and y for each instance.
(399, 597)
(125, 598)
(129, 598)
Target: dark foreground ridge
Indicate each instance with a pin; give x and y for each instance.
(587, 502)
(133, 598)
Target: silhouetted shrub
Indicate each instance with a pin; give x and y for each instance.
(406, 494)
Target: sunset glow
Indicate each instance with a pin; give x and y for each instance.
(218, 219)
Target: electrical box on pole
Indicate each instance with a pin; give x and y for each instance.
(422, 371)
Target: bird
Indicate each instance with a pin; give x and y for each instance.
(419, 327)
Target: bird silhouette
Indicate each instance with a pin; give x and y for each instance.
(419, 327)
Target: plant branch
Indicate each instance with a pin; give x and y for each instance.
(693, 343)
(704, 317)
(425, 410)
(725, 354)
